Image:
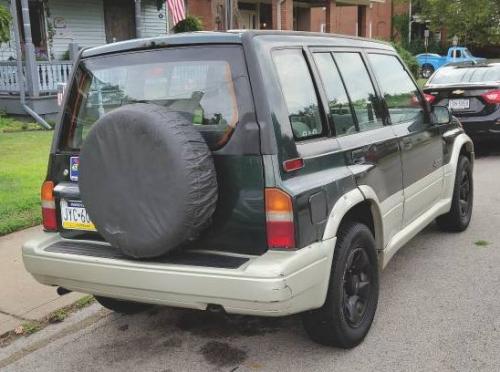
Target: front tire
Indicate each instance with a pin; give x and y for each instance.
(427, 71)
(459, 216)
(352, 297)
(122, 306)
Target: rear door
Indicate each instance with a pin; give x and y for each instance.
(370, 146)
(210, 86)
(421, 142)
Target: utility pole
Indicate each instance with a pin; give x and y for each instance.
(410, 16)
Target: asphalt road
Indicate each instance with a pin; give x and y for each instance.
(439, 309)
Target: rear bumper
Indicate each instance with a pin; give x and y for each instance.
(274, 284)
(487, 127)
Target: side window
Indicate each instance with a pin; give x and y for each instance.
(361, 90)
(338, 102)
(400, 92)
(298, 90)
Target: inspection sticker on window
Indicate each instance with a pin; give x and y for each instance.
(74, 165)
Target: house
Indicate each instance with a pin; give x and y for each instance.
(369, 18)
(57, 29)
(52, 31)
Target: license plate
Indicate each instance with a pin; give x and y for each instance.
(459, 104)
(74, 216)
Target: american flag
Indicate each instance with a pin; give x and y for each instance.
(177, 9)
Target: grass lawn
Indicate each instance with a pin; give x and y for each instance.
(23, 164)
(421, 82)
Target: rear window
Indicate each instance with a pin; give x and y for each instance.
(198, 81)
(457, 75)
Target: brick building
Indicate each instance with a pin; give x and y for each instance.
(369, 18)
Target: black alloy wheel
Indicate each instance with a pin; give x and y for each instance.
(465, 198)
(351, 300)
(357, 286)
(459, 216)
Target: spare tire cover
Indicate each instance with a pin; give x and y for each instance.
(147, 179)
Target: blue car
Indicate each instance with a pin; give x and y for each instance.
(430, 62)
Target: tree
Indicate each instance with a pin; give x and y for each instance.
(475, 22)
(5, 19)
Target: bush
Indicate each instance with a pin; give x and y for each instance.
(5, 19)
(417, 46)
(188, 24)
(408, 58)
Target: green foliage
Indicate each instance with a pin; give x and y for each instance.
(400, 24)
(417, 46)
(482, 243)
(408, 58)
(24, 158)
(31, 327)
(476, 23)
(9, 125)
(84, 302)
(65, 56)
(57, 316)
(188, 24)
(5, 19)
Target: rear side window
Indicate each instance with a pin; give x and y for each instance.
(195, 81)
(338, 102)
(361, 90)
(400, 92)
(299, 93)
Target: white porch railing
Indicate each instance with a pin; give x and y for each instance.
(52, 73)
(9, 82)
(49, 75)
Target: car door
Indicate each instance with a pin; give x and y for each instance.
(370, 147)
(421, 142)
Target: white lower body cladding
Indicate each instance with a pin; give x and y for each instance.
(274, 284)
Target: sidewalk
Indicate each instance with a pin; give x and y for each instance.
(21, 297)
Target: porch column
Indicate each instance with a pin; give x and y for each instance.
(32, 78)
(365, 21)
(282, 15)
(331, 8)
(138, 18)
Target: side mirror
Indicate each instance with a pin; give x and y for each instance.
(440, 115)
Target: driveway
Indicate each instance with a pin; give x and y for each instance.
(439, 310)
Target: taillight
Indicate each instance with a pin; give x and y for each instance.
(49, 219)
(429, 98)
(279, 219)
(492, 96)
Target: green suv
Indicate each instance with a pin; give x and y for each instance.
(261, 173)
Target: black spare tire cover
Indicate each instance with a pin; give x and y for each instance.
(147, 179)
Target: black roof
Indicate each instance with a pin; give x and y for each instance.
(236, 37)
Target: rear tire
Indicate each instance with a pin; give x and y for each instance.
(122, 306)
(352, 297)
(459, 216)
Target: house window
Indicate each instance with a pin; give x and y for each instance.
(38, 29)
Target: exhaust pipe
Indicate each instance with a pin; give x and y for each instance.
(61, 291)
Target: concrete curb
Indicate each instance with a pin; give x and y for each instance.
(23, 299)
